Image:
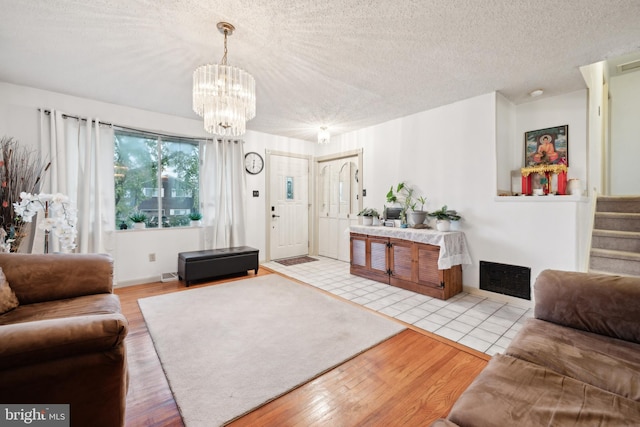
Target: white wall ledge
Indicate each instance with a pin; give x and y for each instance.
(541, 199)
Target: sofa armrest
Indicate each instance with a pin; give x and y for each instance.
(27, 343)
(38, 278)
(598, 303)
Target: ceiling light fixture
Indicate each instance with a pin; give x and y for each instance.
(324, 137)
(536, 92)
(223, 95)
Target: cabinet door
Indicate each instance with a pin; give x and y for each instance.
(377, 254)
(427, 268)
(401, 259)
(358, 250)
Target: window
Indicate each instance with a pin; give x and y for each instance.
(155, 175)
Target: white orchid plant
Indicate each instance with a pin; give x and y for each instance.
(60, 217)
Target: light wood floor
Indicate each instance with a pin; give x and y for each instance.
(411, 379)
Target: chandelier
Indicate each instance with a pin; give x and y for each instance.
(324, 137)
(223, 95)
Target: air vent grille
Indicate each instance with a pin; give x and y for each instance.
(628, 66)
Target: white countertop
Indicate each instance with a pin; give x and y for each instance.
(453, 245)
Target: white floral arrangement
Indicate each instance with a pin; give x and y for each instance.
(60, 217)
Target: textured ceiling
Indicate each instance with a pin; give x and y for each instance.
(345, 64)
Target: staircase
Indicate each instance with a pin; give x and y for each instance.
(615, 242)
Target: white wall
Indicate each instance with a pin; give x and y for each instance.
(19, 119)
(569, 109)
(625, 134)
(449, 155)
(594, 76)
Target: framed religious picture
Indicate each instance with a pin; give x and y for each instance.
(547, 146)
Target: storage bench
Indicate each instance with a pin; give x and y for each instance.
(211, 263)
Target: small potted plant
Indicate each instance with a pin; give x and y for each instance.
(403, 196)
(367, 215)
(195, 219)
(444, 217)
(417, 216)
(139, 220)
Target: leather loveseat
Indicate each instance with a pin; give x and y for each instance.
(576, 363)
(64, 342)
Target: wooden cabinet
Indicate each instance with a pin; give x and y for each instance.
(405, 264)
(369, 257)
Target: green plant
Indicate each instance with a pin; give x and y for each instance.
(404, 195)
(195, 216)
(369, 212)
(445, 214)
(422, 200)
(138, 216)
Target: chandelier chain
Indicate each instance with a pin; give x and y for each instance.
(224, 57)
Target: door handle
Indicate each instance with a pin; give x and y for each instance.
(275, 216)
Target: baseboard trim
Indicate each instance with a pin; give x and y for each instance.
(133, 282)
(518, 302)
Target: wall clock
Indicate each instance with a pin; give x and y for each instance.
(253, 163)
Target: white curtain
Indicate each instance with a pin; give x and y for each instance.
(223, 193)
(81, 155)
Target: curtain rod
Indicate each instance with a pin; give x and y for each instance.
(188, 138)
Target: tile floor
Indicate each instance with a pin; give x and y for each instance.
(477, 322)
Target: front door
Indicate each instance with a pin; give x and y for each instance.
(288, 206)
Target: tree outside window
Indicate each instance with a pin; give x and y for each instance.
(156, 175)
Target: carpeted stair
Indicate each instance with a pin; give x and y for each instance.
(615, 243)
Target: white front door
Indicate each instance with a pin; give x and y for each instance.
(288, 206)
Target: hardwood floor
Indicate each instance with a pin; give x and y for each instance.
(411, 379)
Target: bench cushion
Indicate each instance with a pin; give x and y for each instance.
(216, 253)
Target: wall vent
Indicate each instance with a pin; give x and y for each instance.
(628, 66)
(168, 277)
(506, 279)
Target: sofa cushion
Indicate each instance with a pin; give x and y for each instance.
(42, 341)
(8, 299)
(80, 306)
(514, 392)
(603, 362)
(600, 303)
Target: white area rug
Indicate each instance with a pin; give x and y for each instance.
(230, 348)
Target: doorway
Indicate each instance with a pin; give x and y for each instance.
(339, 185)
(288, 205)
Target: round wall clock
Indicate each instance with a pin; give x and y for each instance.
(253, 163)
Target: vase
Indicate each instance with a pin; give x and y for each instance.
(195, 223)
(46, 241)
(367, 220)
(443, 225)
(417, 217)
(573, 187)
(139, 225)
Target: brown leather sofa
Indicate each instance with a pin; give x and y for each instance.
(577, 362)
(64, 343)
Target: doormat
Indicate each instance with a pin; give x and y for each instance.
(295, 261)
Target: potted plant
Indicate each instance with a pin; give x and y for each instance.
(402, 195)
(139, 220)
(367, 215)
(444, 217)
(195, 219)
(417, 216)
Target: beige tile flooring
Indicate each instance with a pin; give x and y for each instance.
(480, 323)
